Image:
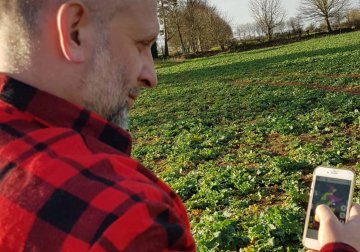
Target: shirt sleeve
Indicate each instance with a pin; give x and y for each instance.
(147, 226)
(337, 247)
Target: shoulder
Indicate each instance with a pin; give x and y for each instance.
(74, 185)
(147, 226)
(89, 195)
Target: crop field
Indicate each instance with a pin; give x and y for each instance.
(238, 136)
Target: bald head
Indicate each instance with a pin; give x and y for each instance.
(28, 12)
(20, 9)
(22, 21)
(24, 13)
(18, 24)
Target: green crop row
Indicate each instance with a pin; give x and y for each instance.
(238, 135)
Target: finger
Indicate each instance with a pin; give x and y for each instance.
(323, 214)
(355, 210)
(330, 227)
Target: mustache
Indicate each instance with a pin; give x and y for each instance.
(135, 91)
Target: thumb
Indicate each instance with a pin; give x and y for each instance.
(354, 213)
(355, 210)
(323, 214)
(330, 226)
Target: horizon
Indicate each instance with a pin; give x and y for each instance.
(238, 10)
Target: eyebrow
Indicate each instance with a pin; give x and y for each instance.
(148, 39)
(153, 38)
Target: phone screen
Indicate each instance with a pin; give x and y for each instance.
(332, 192)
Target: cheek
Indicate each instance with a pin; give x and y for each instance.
(129, 76)
(134, 63)
(129, 60)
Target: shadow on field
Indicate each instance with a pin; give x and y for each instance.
(260, 65)
(166, 63)
(263, 50)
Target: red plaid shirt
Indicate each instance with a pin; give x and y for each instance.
(67, 182)
(337, 247)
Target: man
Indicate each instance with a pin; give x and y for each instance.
(67, 182)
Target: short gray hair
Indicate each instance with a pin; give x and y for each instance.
(20, 22)
(29, 11)
(22, 13)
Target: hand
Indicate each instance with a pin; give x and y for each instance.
(332, 230)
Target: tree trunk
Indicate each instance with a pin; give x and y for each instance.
(269, 34)
(328, 24)
(166, 53)
(154, 51)
(181, 38)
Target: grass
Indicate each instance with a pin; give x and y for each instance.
(237, 136)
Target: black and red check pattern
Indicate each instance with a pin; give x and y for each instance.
(337, 247)
(67, 182)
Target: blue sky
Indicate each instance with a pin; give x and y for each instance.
(238, 10)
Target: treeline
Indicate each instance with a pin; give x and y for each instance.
(192, 26)
(314, 16)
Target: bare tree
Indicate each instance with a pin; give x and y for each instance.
(326, 10)
(281, 27)
(295, 25)
(257, 30)
(219, 29)
(165, 10)
(268, 14)
(353, 18)
(251, 30)
(241, 31)
(196, 26)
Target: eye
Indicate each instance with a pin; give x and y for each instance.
(145, 45)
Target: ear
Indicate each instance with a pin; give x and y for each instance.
(73, 30)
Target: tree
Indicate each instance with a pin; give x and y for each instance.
(154, 51)
(219, 30)
(311, 28)
(326, 10)
(281, 27)
(241, 31)
(295, 25)
(248, 31)
(353, 18)
(195, 26)
(165, 11)
(268, 14)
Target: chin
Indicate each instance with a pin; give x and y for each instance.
(124, 124)
(121, 119)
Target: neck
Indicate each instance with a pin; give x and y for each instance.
(42, 69)
(49, 82)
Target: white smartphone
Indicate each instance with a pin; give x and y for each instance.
(334, 188)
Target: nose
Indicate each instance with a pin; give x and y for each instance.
(148, 76)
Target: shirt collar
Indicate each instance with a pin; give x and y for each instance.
(52, 111)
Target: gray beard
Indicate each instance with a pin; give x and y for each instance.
(120, 118)
(104, 99)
